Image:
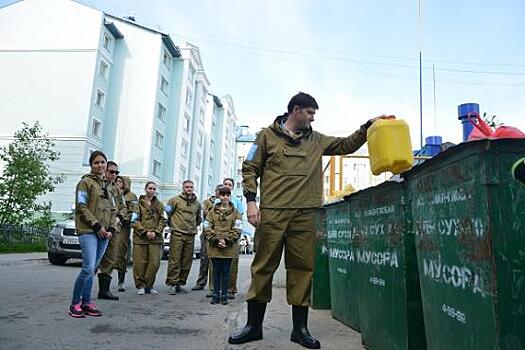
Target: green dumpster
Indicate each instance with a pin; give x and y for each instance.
(321, 280)
(343, 279)
(390, 311)
(469, 220)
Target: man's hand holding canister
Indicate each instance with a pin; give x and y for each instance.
(252, 211)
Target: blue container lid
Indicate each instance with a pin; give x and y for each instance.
(466, 108)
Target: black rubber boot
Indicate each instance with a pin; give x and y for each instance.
(253, 328)
(121, 279)
(104, 282)
(300, 332)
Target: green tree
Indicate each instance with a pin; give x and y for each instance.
(26, 174)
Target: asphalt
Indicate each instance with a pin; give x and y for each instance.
(35, 294)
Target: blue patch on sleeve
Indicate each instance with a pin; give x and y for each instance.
(251, 153)
(134, 217)
(206, 224)
(168, 209)
(82, 197)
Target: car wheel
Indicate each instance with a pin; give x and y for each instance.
(56, 259)
(197, 255)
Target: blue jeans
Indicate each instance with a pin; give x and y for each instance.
(93, 248)
(221, 276)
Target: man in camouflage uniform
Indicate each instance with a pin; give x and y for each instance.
(286, 160)
(184, 215)
(110, 256)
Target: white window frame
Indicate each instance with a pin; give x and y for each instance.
(184, 148)
(166, 59)
(182, 172)
(198, 160)
(161, 112)
(187, 122)
(157, 168)
(102, 101)
(200, 138)
(105, 74)
(189, 96)
(107, 41)
(159, 139)
(164, 85)
(98, 122)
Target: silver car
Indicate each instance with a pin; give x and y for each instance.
(166, 244)
(62, 243)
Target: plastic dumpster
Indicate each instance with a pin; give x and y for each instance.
(390, 311)
(469, 221)
(321, 281)
(343, 279)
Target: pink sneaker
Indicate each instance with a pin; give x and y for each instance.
(75, 310)
(91, 310)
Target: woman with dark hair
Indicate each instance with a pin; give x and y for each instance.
(95, 219)
(147, 240)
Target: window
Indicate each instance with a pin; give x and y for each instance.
(202, 113)
(210, 180)
(186, 122)
(182, 173)
(211, 163)
(197, 180)
(198, 160)
(161, 112)
(164, 85)
(189, 97)
(103, 69)
(240, 159)
(96, 128)
(100, 99)
(106, 42)
(156, 168)
(184, 149)
(191, 72)
(199, 138)
(239, 172)
(166, 58)
(159, 140)
(212, 144)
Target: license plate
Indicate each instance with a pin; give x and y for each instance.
(70, 240)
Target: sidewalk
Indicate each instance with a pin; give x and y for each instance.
(278, 325)
(17, 258)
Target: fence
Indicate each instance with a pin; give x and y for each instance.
(11, 235)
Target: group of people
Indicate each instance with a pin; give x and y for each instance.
(284, 165)
(107, 211)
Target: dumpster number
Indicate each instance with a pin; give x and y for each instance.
(456, 314)
(376, 281)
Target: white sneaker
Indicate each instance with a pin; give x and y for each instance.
(153, 291)
(172, 290)
(141, 291)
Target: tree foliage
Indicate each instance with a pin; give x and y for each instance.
(26, 174)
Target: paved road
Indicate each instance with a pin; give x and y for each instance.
(35, 296)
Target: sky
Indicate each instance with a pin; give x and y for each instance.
(359, 59)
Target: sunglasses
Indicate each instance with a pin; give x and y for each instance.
(114, 172)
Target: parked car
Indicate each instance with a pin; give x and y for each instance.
(166, 244)
(62, 243)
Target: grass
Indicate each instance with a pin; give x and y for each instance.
(23, 247)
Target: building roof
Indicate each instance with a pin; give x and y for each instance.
(113, 29)
(166, 39)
